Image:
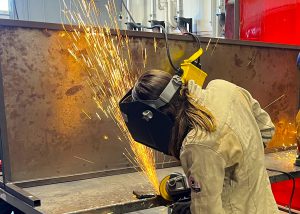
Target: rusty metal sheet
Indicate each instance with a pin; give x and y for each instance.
(267, 73)
(45, 94)
(49, 135)
(47, 102)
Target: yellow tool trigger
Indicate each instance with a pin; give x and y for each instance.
(191, 71)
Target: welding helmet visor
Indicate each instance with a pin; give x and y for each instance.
(145, 122)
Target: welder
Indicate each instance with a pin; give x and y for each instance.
(218, 133)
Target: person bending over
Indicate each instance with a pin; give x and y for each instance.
(218, 134)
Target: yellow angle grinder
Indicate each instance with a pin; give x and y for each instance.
(175, 187)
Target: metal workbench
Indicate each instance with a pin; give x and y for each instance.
(114, 193)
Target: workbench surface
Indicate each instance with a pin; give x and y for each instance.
(91, 194)
(283, 161)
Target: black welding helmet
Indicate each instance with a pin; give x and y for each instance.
(145, 122)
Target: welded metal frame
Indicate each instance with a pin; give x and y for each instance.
(17, 202)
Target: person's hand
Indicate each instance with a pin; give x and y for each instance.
(181, 208)
(194, 90)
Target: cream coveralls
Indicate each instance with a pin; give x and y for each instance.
(225, 168)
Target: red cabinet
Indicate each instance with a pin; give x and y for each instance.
(282, 192)
(274, 21)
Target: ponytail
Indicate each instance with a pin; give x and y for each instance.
(189, 115)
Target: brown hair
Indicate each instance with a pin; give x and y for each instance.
(183, 110)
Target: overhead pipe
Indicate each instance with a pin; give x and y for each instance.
(166, 9)
(128, 7)
(179, 8)
(222, 6)
(172, 13)
(153, 10)
(163, 5)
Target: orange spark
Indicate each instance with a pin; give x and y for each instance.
(107, 61)
(285, 134)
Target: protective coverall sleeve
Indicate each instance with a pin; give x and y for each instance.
(205, 171)
(263, 119)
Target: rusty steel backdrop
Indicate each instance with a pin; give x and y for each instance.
(52, 128)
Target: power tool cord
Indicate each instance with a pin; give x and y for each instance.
(197, 40)
(290, 176)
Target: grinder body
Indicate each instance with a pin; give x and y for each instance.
(175, 187)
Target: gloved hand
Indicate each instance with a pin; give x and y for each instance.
(194, 90)
(181, 208)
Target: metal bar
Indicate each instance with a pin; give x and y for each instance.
(285, 209)
(140, 34)
(76, 177)
(4, 148)
(280, 149)
(23, 195)
(277, 177)
(17, 203)
(236, 19)
(20, 194)
(125, 207)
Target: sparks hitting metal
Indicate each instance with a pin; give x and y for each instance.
(285, 134)
(107, 60)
